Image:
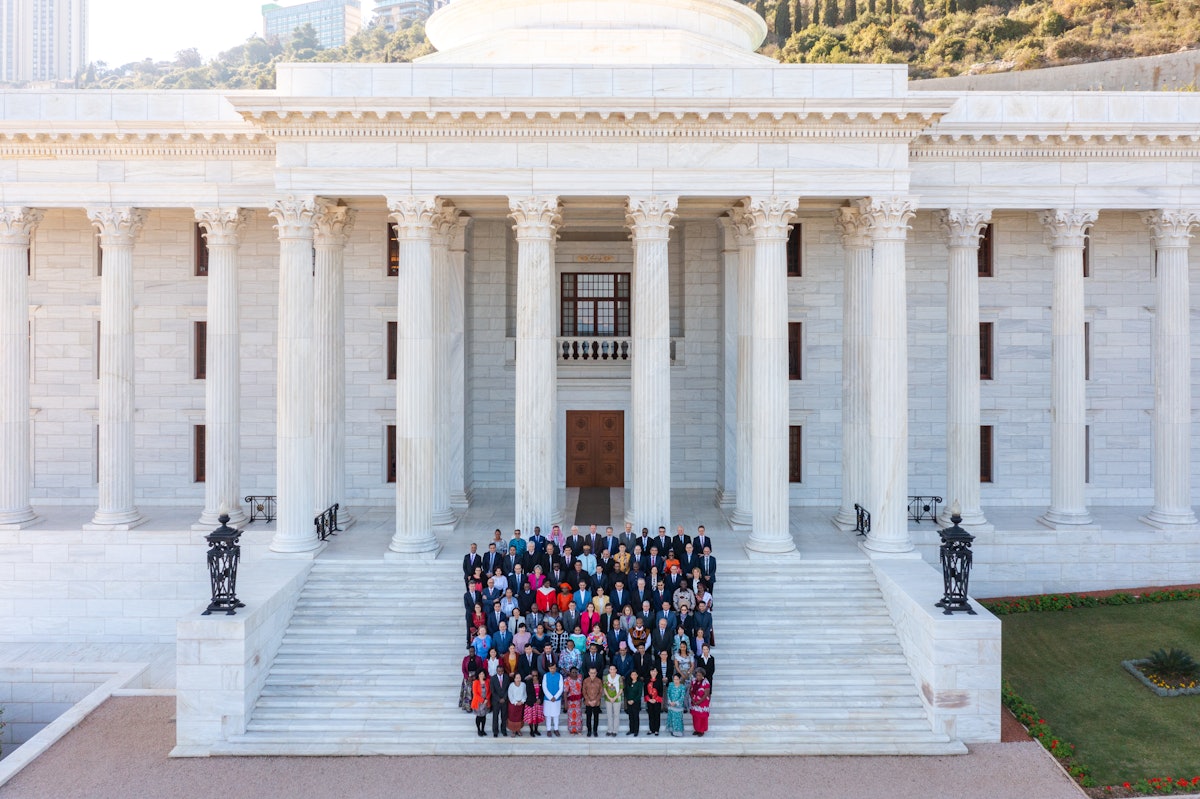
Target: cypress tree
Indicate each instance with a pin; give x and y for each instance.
(801, 24)
(889, 8)
(760, 8)
(816, 12)
(871, 6)
(783, 22)
(831, 13)
(851, 13)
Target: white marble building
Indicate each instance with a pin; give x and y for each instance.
(239, 333)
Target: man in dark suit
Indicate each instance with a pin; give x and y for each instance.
(599, 579)
(471, 561)
(574, 541)
(703, 621)
(495, 616)
(708, 566)
(570, 617)
(606, 562)
(568, 559)
(517, 578)
(512, 560)
(685, 620)
(662, 635)
(499, 685)
(610, 541)
(643, 540)
(556, 576)
(679, 541)
(643, 661)
(628, 537)
(546, 659)
(527, 661)
(492, 559)
(688, 561)
(593, 539)
(539, 542)
(655, 560)
(620, 596)
(668, 614)
(701, 540)
(502, 638)
(594, 659)
(673, 581)
(662, 541)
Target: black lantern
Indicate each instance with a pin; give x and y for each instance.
(956, 564)
(223, 556)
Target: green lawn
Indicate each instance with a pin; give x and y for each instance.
(1069, 666)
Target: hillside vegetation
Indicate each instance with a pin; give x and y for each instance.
(935, 38)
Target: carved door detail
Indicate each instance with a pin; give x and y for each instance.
(595, 448)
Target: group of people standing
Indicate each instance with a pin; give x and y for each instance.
(589, 624)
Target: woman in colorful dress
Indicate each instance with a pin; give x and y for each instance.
(478, 618)
(537, 579)
(481, 702)
(508, 661)
(472, 664)
(517, 697)
(653, 700)
(685, 661)
(676, 692)
(534, 714)
(700, 695)
(481, 643)
(574, 693)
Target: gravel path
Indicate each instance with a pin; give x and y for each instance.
(120, 751)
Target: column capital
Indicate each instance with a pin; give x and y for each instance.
(332, 223)
(17, 224)
(854, 227)
(650, 217)
(888, 216)
(535, 217)
(962, 227)
(414, 217)
(294, 216)
(222, 225)
(771, 217)
(447, 224)
(1170, 227)
(117, 225)
(742, 224)
(1067, 227)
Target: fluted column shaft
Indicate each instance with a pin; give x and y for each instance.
(771, 219)
(294, 447)
(962, 229)
(331, 230)
(1066, 230)
(444, 301)
(650, 381)
(889, 374)
(416, 381)
(16, 229)
(743, 511)
(1172, 470)
(118, 228)
(456, 354)
(222, 369)
(537, 220)
(855, 229)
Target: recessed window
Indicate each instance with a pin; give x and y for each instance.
(986, 252)
(199, 251)
(795, 247)
(986, 330)
(393, 251)
(97, 364)
(985, 453)
(98, 258)
(795, 356)
(393, 331)
(795, 454)
(390, 453)
(1087, 256)
(595, 304)
(1087, 453)
(1087, 350)
(198, 451)
(199, 350)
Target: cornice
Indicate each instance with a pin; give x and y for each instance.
(1157, 141)
(110, 143)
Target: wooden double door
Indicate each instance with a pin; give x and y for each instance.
(595, 449)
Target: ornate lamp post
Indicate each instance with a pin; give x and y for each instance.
(956, 564)
(224, 553)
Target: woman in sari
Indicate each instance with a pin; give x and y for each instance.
(481, 702)
(574, 694)
(700, 691)
(653, 700)
(685, 662)
(516, 705)
(676, 692)
(534, 713)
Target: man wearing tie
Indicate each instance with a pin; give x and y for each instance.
(471, 561)
(527, 662)
(492, 559)
(575, 541)
(662, 541)
(610, 541)
(499, 685)
(496, 617)
(628, 538)
(680, 540)
(701, 540)
(708, 566)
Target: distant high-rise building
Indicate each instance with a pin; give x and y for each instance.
(391, 13)
(335, 21)
(42, 40)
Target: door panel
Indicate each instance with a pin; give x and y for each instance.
(595, 449)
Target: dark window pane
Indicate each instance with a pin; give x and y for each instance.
(200, 351)
(794, 354)
(985, 453)
(390, 455)
(393, 332)
(198, 449)
(201, 248)
(795, 244)
(393, 252)
(985, 350)
(986, 251)
(795, 454)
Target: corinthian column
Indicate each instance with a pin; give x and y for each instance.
(855, 228)
(331, 230)
(742, 517)
(1172, 471)
(650, 381)
(537, 220)
(962, 228)
(118, 227)
(294, 529)
(16, 228)
(889, 374)
(222, 369)
(1066, 230)
(770, 219)
(445, 294)
(416, 420)
(456, 354)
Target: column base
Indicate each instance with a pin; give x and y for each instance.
(971, 522)
(296, 546)
(413, 550)
(306, 554)
(1062, 520)
(845, 520)
(123, 520)
(888, 547)
(1169, 520)
(19, 519)
(445, 520)
(740, 520)
(210, 520)
(757, 546)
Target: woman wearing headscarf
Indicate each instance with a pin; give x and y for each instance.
(472, 664)
(700, 695)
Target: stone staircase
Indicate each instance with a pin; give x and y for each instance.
(807, 663)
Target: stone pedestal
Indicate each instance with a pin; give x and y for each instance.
(16, 229)
(118, 227)
(962, 228)
(771, 219)
(855, 229)
(222, 369)
(537, 220)
(416, 420)
(1066, 230)
(1172, 470)
(888, 358)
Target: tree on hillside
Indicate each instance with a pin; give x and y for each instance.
(851, 12)
(783, 21)
(830, 17)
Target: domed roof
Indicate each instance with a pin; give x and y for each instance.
(693, 32)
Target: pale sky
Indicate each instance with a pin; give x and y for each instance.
(131, 30)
